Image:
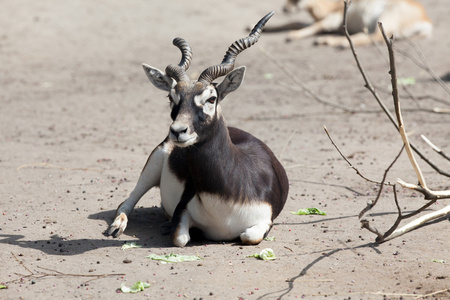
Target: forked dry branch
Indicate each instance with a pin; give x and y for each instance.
(422, 187)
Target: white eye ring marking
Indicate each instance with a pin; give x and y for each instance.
(209, 107)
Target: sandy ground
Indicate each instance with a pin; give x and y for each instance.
(79, 118)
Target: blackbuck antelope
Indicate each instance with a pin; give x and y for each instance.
(219, 179)
(401, 18)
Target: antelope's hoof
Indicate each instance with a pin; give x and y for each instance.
(118, 226)
(180, 240)
(251, 237)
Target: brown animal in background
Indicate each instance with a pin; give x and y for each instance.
(401, 18)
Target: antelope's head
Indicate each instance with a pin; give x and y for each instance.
(291, 6)
(195, 103)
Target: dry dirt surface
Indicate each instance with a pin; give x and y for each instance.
(79, 119)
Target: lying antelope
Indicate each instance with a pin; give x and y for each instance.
(219, 179)
(401, 18)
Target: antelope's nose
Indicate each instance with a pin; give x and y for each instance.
(177, 130)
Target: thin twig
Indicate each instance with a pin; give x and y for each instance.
(345, 158)
(434, 147)
(21, 262)
(52, 166)
(423, 64)
(287, 143)
(54, 274)
(416, 99)
(300, 83)
(433, 294)
(373, 203)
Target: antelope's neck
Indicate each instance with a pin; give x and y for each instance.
(216, 151)
(213, 164)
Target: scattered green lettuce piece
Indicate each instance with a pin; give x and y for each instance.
(309, 211)
(269, 238)
(136, 288)
(406, 81)
(439, 261)
(173, 258)
(3, 286)
(265, 254)
(130, 245)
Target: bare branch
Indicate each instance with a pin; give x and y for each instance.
(428, 194)
(418, 222)
(422, 187)
(434, 147)
(372, 204)
(398, 113)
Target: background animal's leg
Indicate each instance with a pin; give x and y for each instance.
(358, 39)
(181, 219)
(254, 235)
(304, 32)
(149, 178)
(330, 23)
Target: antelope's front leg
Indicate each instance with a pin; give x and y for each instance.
(180, 231)
(149, 178)
(181, 219)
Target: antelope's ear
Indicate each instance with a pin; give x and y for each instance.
(231, 82)
(158, 78)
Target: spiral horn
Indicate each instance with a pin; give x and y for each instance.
(178, 72)
(227, 65)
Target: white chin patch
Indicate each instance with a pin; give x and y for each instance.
(183, 141)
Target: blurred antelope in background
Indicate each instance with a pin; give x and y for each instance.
(401, 18)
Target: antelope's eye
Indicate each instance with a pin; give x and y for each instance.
(211, 100)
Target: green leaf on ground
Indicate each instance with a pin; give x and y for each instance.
(309, 211)
(136, 288)
(173, 258)
(265, 254)
(130, 245)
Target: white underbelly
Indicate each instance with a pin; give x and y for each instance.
(218, 219)
(226, 220)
